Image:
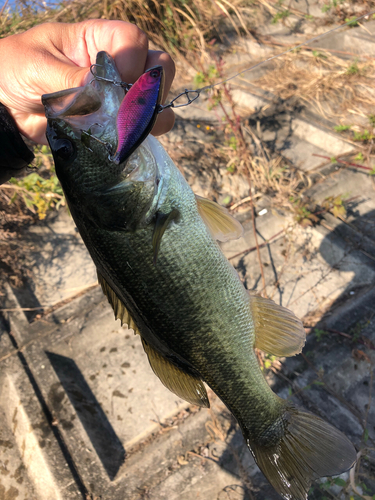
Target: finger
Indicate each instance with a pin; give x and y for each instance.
(166, 118)
(32, 126)
(164, 122)
(125, 42)
(158, 58)
(73, 48)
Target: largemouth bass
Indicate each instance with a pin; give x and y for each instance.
(154, 245)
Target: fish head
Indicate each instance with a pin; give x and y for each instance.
(82, 133)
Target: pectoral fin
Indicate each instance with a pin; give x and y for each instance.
(161, 224)
(181, 383)
(118, 307)
(277, 330)
(220, 223)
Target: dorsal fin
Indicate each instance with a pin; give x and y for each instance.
(220, 223)
(181, 383)
(118, 307)
(277, 330)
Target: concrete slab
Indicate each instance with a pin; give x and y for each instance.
(59, 261)
(32, 461)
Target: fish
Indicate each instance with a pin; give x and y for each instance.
(154, 244)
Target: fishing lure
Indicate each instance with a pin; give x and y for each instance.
(137, 113)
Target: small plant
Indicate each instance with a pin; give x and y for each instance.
(206, 77)
(352, 23)
(335, 204)
(233, 143)
(280, 16)
(359, 157)
(319, 334)
(319, 55)
(353, 69)
(342, 128)
(40, 195)
(364, 136)
(268, 361)
(330, 5)
(304, 212)
(371, 119)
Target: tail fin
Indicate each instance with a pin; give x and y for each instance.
(309, 448)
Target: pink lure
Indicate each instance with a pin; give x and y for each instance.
(138, 112)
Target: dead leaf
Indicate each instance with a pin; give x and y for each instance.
(359, 355)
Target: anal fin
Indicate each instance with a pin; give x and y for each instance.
(277, 330)
(181, 383)
(118, 307)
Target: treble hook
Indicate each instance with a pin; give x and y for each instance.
(124, 85)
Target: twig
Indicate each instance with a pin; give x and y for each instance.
(352, 478)
(244, 200)
(237, 131)
(3, 8)
(343, 162)
(201, 456)
(251, 249)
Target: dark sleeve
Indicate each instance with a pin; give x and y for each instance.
(14, 154)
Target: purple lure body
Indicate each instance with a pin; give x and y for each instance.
(138, 112)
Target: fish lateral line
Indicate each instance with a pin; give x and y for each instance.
(197, 92)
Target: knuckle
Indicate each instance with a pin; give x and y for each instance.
(168, 64)
(138, 36)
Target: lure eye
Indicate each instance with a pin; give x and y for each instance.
(155, 73)
(64, 149)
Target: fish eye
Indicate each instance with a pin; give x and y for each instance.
(155, 73)
(64, 149)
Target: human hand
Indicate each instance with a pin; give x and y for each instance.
(57, 56)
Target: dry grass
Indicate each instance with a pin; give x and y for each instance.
(181, 27)
(331, 86)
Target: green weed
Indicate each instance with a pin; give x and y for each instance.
(39, 194)
(342, 128)
(318, 54)
(335, 204)
(269, 359)
(304, 212)
(330, 5)
(352, 23)
(280, 16)
(364, 136)
(319, 334)
(353, 69)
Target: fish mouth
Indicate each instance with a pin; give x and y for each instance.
(91, 108)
